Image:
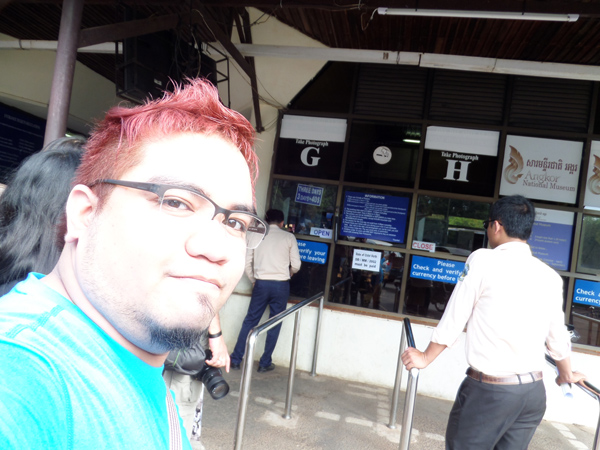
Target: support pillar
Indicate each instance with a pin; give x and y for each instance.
(64, 70)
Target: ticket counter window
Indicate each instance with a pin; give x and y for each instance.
(430, 285)
(585, 312)
(367, 278)
(426, 298)
(589, 246)
(586, 320)
(450, 225)
(310, 279)
(374, 216)
(307, 207)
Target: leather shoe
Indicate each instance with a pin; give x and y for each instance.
(262, 369)
(234, 366)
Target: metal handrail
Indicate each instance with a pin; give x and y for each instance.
(592, 391)
(333, 287)
(411, 393)
(591, 319)
(398, 382)
(249, 360)
(407, 339)
(339, 283)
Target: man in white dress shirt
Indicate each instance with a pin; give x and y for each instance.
(511, 303)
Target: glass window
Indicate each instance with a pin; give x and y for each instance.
(430, 284)
(375, 217)
(589, 246)
(310, 279)
(355, 283)
(426, 298)
(308, 207)
(586, 320)
(552, 237)
(585, 312)
(384, 154)
(454, 226)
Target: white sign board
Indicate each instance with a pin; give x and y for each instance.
(462, 140)
(366, 260)
(314, 128)
(543, 169)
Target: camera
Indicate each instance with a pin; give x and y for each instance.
(212, 378)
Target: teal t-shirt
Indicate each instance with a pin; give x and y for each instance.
(65, 384)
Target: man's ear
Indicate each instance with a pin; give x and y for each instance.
(82, 205)
(497, 227)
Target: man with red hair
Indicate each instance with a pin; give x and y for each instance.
(157, 228)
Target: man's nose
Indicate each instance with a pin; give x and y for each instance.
(210, 239)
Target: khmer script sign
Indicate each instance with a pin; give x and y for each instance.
(543, 169)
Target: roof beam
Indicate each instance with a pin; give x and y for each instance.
(247, 34)
(246, 66)
(429, 60)
(220, 35)
(124, 30)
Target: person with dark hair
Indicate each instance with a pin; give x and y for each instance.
(157, 226)
(269, 268)
(511, 303)
(31, 208)
(516, 214)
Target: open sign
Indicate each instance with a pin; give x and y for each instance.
(321, 232)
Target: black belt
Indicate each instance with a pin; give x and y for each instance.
(522, 378)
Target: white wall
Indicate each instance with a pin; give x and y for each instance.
(26, 80)
(279, 80)
(362, 348)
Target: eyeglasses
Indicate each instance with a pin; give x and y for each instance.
(179, 201)
(486, 223)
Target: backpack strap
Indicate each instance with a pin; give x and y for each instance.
(174, 428)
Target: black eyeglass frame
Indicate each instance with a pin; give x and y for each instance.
(161, 189)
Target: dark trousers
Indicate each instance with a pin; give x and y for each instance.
(495, 417)
(273, 294)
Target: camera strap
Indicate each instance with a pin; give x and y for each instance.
(174, 428)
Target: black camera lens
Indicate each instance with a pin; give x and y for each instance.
(215, 384)
(213, 380)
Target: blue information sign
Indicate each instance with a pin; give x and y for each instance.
(434, 269)
(375, 216)
(551, 237)
(587, 293)
(314, 252)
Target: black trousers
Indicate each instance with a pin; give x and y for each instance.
(495, 417)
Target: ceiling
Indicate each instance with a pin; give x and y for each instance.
(351, 24)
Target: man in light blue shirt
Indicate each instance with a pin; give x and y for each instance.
(157, 227)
